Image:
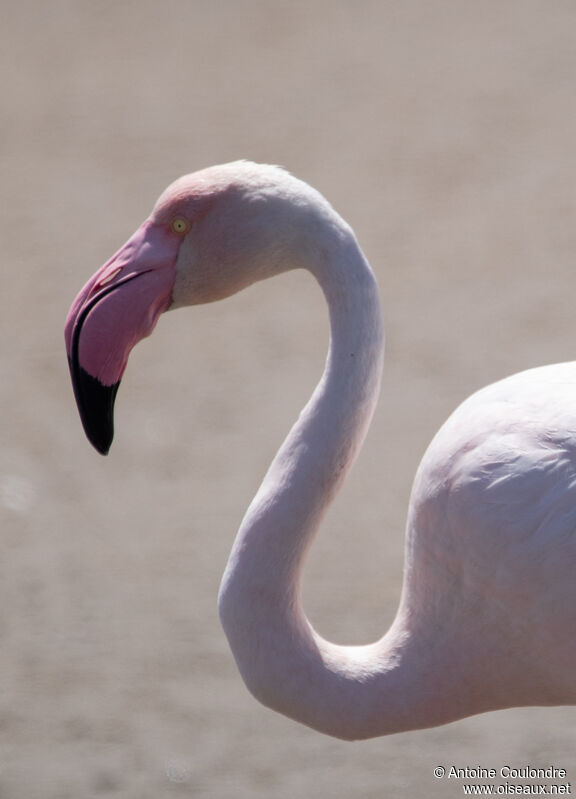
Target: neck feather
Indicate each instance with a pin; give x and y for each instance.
(308, 469)
(349, 692)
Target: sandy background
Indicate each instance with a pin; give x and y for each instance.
(445, 133)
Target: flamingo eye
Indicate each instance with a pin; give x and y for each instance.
(180, 225)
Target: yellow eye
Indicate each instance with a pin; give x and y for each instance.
(180, 225)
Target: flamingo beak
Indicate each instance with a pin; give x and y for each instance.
(118, 307)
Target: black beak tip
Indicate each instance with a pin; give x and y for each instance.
(96, 407)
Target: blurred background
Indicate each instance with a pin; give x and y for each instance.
(444, 133)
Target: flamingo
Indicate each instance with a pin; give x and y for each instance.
(487, 614)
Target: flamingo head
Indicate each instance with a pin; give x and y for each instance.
(209, 235)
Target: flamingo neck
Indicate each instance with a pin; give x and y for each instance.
(349, 692)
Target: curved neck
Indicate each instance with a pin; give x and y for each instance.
(350, 692)
(309, 467)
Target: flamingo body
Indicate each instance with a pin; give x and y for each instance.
(487, 615)
(493, 517)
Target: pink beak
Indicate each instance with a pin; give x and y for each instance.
(118, 306)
